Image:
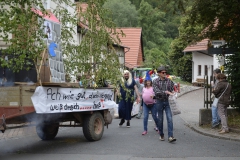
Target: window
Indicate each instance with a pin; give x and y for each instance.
(46, 4)
(205, 70)
(199, 70)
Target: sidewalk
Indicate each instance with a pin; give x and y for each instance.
(16, 131)
(190, 101)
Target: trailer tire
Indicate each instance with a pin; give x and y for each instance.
(93, 126)
(47, 131)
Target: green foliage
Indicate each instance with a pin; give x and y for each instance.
(170, 6)
(233, 72)
(154, 42)
(158, 27)
(154, 58)
(150, 20)
(181, 64)
(218, 19)
(20, 30)
(96, 56)
(123, 13)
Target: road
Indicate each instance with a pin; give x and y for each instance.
(121, 143)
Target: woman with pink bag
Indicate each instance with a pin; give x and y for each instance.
(148, 103)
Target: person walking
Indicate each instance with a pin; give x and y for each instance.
(127, 97)
(148, 103)
(163, 87)
(223, 92)
(215, 117)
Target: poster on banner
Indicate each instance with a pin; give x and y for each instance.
(48, 29)
(63, 100)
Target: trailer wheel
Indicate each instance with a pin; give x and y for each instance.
(47, 131)
(93, 126)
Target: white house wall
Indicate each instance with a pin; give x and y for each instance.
(215, 62)
(201, 59)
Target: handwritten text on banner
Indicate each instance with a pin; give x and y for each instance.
(60, 100)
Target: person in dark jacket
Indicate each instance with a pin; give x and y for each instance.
(223, 92)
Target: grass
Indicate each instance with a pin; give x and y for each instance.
(233, 121)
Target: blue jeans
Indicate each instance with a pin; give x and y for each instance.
(161, 106)
(215, 116)
(146, 113)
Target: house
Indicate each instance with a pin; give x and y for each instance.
(83, 27)
(134, 55)
(203, 62)
(130, 53)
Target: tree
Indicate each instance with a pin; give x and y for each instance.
(173, 6)
(219, 19)
(123, 13)
(182, 63)
(19, 20)
(154, 58)
(95, 55)
(22, 30)
(151, 21)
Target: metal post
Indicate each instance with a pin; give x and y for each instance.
(206, 86)
(204, 95)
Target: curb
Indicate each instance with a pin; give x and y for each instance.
(210, 135)
(190, 91)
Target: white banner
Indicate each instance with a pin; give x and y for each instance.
(61, 100)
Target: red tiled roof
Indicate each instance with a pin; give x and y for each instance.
(132, 39)
(199, 46)
(50, 16)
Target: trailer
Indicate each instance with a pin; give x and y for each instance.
(52, 104)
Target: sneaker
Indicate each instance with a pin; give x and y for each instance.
(138, 117)
(121, 122)
(144, 133)
(156, 129)
(128, 124)
(220, 130)
(171, 139)
(224, 131)
(161, 138)
(215, 125)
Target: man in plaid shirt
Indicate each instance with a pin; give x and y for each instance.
(163, 87)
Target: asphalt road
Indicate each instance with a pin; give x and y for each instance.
(121, 143)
